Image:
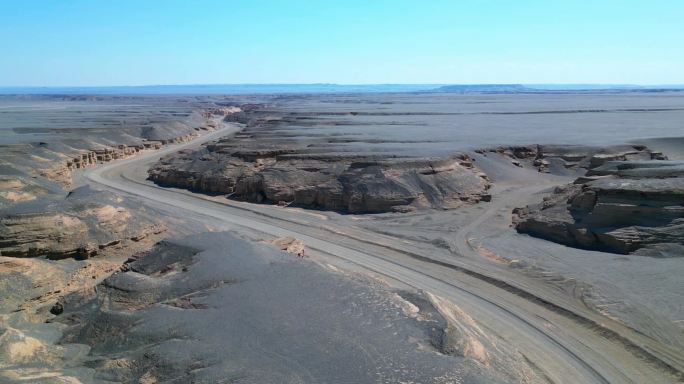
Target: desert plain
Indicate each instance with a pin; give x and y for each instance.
(416, 237)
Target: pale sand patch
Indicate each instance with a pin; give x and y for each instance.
(17, 196)
(40, 159)
(16, 347)
(409, 309)
(469, 346)
(109, 213)
(68, 221)
(11, 184)
(487, 253)
(38, 375)
(24, 349)
(471, 341)
(11, 264)
(288, 244)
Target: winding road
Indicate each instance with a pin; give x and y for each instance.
(565, 341)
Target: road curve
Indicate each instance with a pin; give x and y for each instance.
(563, 348)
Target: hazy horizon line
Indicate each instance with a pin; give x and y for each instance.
(340, 84)
(331, 88)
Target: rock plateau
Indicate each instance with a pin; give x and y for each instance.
(619, 206)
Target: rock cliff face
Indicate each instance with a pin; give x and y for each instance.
(40, 154)
(265, 164)
(35, 218)
(353, 184)
(61, 173)
(83, 225)
(620, 206)
(571, 159)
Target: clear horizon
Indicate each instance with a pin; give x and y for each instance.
(337, 84)
(561, 86)
(107, 44)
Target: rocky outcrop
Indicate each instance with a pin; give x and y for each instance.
(36, 219)
(61, 173)
(221, 111)
(621, 207)
(569, 159)
(109, 128)
(288, 244)
(353, 184)
(81, 226)
(265, 164)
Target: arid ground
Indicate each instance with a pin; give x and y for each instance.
(343, 238)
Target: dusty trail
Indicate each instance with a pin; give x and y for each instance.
(560, 336)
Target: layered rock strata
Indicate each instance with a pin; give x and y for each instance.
(265, 164)
(35, 218)
(83, 225)
(73, 137)
(353, 184)
(620, 206)
(61, 172)
(571, 159)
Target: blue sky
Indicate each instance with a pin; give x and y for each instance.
(123, 42)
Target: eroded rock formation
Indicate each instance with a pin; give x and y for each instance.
(61, 172)
(81, 226)
(569, 159)
(288, 244)
(353, 184)
(620, 206)
(265, 164)
(78, 139)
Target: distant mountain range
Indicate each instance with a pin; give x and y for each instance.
(338, 88)
(553, 88)
(489, 88)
